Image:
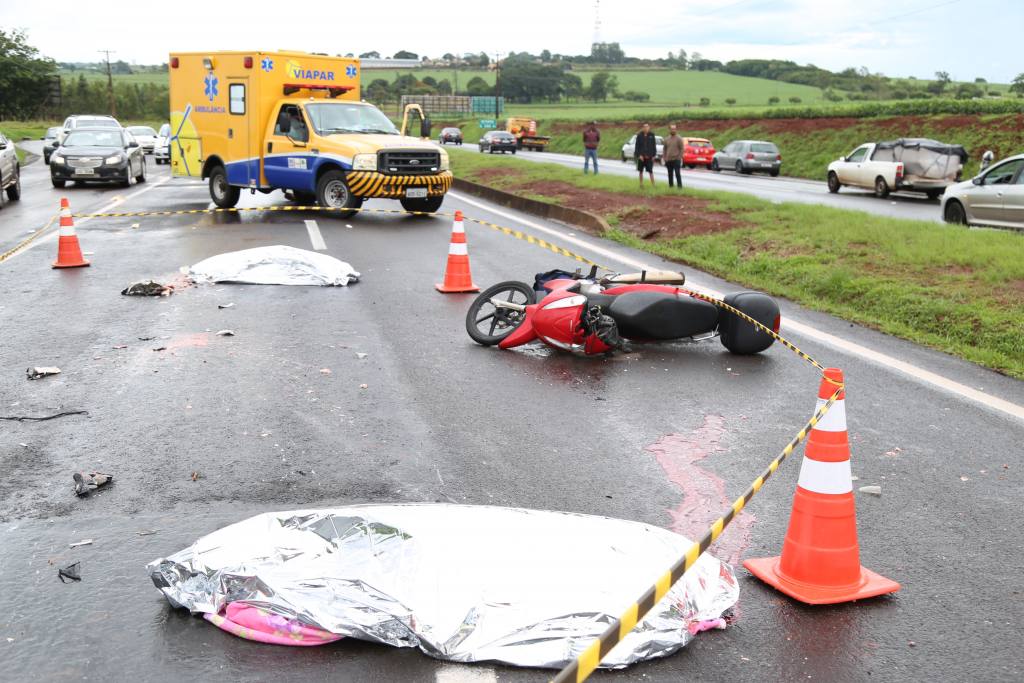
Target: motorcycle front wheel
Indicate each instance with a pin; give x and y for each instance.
(488, 324)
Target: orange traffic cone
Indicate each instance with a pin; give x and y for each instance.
(457, 277)
(69, 253)
(820, 562)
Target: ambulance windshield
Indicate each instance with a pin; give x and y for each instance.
(348, 117)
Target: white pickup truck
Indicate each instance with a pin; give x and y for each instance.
(911, 164)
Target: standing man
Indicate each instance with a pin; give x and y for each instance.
(673, 156)
(646, 149)
(591, 139)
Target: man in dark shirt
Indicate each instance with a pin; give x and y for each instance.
(591, 139)
(646, 149)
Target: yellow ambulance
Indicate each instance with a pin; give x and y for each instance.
(293, 121)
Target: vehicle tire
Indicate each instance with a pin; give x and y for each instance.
(624, 159)
(955, 213)
(740, 168)
(223, 195)
(715, 167)
(833, 182)
(881, 188)
(14, 191)
(332, 193)
(933, 194)
(487, 324)
(691, 166)
(57, 183)
(513, 152)
(774, 173)
(46, 159)
(424, 205)
(740, 336)
(141, 178)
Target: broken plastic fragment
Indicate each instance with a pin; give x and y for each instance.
(873, 490)
(225, 333)
(40, 372)
(231, 305)
(87, 482)
(147, 288)
(72, 572)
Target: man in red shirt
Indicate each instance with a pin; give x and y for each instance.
(591, 139)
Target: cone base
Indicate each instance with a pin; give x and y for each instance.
(452, 289)
(80, 264)
(869, 586)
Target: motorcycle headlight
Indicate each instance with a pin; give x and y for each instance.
(364, 162)
(56, 159)
(445, 163)
(116, 159)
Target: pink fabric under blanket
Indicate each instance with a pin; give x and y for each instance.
(253, 623)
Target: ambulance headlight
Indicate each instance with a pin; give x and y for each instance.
(445, 164)
(364, 162)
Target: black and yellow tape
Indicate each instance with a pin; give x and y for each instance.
(27, 241)
(589, 659)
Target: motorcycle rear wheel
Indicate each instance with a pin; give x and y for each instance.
(486, 323)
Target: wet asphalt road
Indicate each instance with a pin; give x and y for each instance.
(781, 189)
(444, 420)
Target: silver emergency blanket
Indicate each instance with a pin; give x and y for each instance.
(462, 583)
(277, 265)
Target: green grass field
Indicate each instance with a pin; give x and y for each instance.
(946, 287)
(69, 75)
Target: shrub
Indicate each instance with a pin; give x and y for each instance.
(730, 101)
(636, 96)
(994, 93)
(898, 94)
(705, 102)
(795, 100)
(773, 100)
(832, 96)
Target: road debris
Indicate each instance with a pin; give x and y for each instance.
(160, 348)
(42, 371)
(364, 386)
(70, 573)
(87, 482)
(277, 265)
(146, 532)
(119, 347)
(361, 356)
(225, 333)
(79, 544)
(146, 338)
(318, 563)
(873, 490)
(195, 476)
(28, 418)
(231, 305)
(325, 371)
(254, 623)
(147, 288)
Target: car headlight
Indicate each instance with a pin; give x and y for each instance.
(56, 159)
(116, 159)
(364, 162)
(445, 164)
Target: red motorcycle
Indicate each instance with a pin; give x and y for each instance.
(573, 312)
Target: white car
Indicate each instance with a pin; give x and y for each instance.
(162, 146)
(76, 121)
(145, 136)
(993, 197)
(10, 170)
(628, 149)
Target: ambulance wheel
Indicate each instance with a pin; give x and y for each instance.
(223, 195)
(332, 193)
(425, 205)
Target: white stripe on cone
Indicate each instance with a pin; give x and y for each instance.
(458, 249)
(457, 227)
(835, 419)
(67, 227)
(825, 477)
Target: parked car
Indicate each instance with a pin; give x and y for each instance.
(913, 164)
(145, 136)
(747, 156)
(80, 121)
(629, 148)
(10, 170)
(162, 146)
(993, 197)
(98, 154)
(498, 141)
(452, 135)
(51, 136)
(697, 152)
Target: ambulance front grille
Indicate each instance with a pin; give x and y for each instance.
(409, 162)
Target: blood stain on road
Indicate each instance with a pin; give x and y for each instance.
(704, 498)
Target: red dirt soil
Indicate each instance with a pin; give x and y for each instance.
(662, 217)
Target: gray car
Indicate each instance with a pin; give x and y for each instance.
(10, 170)
(52, 134)
(993, 197)
(748, 156)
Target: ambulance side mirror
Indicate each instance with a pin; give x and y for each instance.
(425, 128)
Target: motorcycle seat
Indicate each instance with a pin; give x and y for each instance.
(659, 315)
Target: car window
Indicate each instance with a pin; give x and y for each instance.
(94, 138)
(341, 117)
(1004, 173)
(142, 130)
(858, 154)
(764, 147)
(96, 123)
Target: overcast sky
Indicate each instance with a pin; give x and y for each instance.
(967, 38)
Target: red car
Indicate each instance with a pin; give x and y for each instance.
(697, 152)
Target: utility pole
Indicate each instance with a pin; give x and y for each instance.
(497, 83)
(110, 83)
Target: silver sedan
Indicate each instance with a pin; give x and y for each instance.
(993, 197)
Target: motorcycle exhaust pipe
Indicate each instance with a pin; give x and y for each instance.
(498, 303)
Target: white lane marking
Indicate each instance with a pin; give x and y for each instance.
(315, 238)
(464, 673)
(792, 324)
